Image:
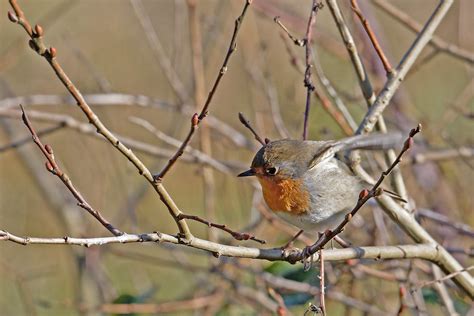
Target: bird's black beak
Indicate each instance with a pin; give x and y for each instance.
(247, 173)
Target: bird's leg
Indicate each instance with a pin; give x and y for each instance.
(289, 244)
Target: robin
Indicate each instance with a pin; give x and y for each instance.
(304, 182)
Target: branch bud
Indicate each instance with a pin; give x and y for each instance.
(52, 52)
(195, 120)
(363, 194)
(12, 17)
(49, 166)
(39, 30)
(49, 149)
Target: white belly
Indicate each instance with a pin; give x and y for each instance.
(312, 223)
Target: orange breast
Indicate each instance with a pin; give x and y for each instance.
(284, 195)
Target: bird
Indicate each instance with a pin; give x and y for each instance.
(306, 184)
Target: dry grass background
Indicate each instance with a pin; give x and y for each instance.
(110, 40)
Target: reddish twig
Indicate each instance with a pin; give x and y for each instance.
(336, 114)
(205, 109)
(308, 84)
(315, 6)
(246, 123)
(373, 38)
(401, 295)
(180, 151)
(52, 166)
(50, 54)
(282, 310)
(364, 196)
(236, 235)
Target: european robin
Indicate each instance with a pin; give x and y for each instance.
(304, 182)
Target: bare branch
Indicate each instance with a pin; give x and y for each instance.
(315, 6)
(416, 27)
(392, 84)
(50, 54)
(373, 38)
(236, 235)
(53, 167)
(246, 123)
(205, 109)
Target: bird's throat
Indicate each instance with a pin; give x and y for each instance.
(284, 195)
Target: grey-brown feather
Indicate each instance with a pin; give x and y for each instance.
(333, 188)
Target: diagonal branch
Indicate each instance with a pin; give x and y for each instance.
(308, 83)
(373, 38)
(52, 166)
(392, 84)
(37, 44)
(205, 109)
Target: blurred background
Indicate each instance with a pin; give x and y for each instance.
(133, 61)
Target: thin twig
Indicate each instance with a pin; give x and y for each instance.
(462, 228)
(347, 122)
(392, 84)
(158, 51)
(446, 277)
(53, 167)
(146, 148)
(339, 114)
(296, 41)
(442, 154)
(113, 99)
(236, 235)
(50, 54)
(246, 123)
(416, 27)
(199, 155)
(205, 109)
(369, 95)
(373, 38)
(442, 290)
(180, 151)
(315, 6)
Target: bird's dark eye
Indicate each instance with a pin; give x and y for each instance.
(271, 171)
